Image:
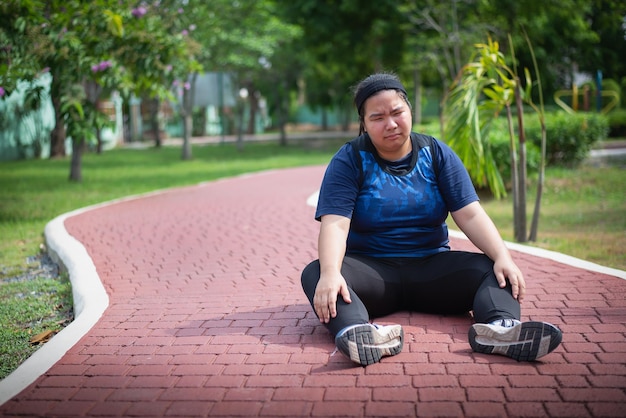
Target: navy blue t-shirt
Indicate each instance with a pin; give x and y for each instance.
(397, 209)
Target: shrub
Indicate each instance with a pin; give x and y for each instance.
(617, 123)
(612, 85)
(499, 142)
(569, 136)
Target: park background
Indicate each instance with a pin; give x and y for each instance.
(82, 84)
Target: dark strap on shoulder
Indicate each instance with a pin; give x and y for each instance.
(429, 141)
(362, 142)
(358, 144)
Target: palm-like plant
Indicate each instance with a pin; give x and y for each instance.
(483, 88)
(480, 91)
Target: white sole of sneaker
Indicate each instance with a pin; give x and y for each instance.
(366, 344)
(526, 341)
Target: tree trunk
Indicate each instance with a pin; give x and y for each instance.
(440, 108)
(76, 172)
(241, 107)
(514, 169)
(253, 104)
(187, 109)
(57, 135)
(202, 121)
(346, 111)
(534, 226)
(521, 221)
(126, 120)
(187, 127)
(153, 108)
(281, 115)
(93, 91)
(417, 105)
(99, 144)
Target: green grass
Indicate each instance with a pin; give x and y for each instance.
(582, 214)
(28, 308)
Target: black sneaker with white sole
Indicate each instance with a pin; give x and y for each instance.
(522, 341)
(366, 344)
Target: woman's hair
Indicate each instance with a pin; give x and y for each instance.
(373, 84)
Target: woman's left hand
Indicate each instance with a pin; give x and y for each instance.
(479, 228)
(506, 269)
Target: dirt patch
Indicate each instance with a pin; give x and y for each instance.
(38, 266)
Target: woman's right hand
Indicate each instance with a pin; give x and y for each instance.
(325, 298)
(332, 247)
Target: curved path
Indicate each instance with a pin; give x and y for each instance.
(200, 314)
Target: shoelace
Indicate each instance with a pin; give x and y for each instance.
(506, 322)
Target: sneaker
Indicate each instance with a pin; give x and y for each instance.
(367, 343)
(522, 341)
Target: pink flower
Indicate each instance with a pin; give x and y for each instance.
(139, 11)
(187, 86)
(101, 66)
(185, 32)
(1, 92)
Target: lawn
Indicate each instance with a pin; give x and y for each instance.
(582, 214)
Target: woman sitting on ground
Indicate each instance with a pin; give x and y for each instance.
(384, 247)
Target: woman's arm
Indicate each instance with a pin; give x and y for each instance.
(331, 248)
(480, 229)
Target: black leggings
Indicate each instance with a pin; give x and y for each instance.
(451, 282)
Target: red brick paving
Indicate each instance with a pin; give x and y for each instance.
(207, 318)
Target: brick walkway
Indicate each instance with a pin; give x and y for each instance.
(206, 318)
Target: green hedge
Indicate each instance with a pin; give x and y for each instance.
(569, 140)
(570, 137)
(501, 150)
(617, 123)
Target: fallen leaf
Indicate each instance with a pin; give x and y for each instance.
(42, 337)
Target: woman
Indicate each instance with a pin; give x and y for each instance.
(383, 242)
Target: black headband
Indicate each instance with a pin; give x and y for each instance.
(374, 87)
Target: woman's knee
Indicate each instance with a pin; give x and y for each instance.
(309, 278)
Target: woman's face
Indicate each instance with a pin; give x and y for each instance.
(388, 121)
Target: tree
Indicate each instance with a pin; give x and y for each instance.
(18, 24)
(346, 40)
(88, 47)
(167, 27)
(238, 38)
(255, 51)
(560, 32)
(442, 36)
(474, 99)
